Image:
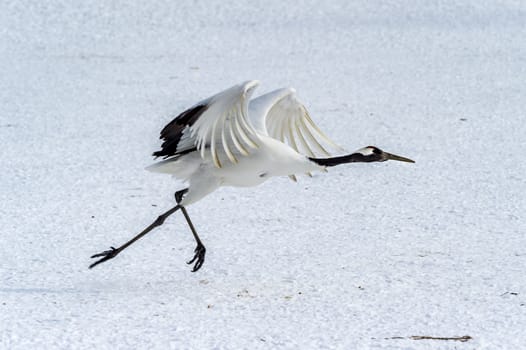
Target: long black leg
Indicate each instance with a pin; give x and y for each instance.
(200, 250)
(110, 254)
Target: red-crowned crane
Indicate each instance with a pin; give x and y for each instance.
(230, 140)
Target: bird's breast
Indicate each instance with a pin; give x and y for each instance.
(243, 174)
(270, 159)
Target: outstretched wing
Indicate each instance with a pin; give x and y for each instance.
(218, 127)
(282, 116)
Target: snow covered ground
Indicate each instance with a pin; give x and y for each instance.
(366, 256)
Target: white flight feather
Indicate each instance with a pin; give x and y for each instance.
(301, 137)
(226, 147)
(235, 139)
(312, 139)
(215, 158)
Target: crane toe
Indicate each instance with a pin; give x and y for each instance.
(106, 255)
(199, 257)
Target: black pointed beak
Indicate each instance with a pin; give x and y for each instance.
(389, 156)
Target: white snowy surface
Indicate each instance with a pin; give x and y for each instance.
(363, 257)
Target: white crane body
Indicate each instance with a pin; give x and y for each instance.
(271, 158)
(230, 140)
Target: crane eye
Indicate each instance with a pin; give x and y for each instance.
(376, 150)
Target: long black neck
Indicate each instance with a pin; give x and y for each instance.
(349, 158)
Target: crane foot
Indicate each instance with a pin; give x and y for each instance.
(199, 257)
(106, 255)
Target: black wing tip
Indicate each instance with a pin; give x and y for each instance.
(161, 153)
(186, 118)
(173, 131)
(167, 155)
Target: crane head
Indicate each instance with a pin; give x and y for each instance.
(374, 154)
